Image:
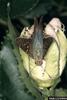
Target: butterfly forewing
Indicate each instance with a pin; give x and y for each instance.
(46, 44)
(25, 45)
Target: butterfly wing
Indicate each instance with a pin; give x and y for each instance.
(46, 44)
(25, 44)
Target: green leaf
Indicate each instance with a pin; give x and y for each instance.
(17, 7)
(12, 33)
(14, 88)
(24, 7)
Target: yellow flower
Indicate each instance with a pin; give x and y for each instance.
(53, 62)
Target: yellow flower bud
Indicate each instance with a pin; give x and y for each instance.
(53, 63)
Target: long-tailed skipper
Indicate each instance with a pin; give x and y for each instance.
(37, 45)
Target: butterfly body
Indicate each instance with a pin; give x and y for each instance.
(37, 44)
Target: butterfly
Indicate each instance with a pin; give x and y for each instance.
(37, 45)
